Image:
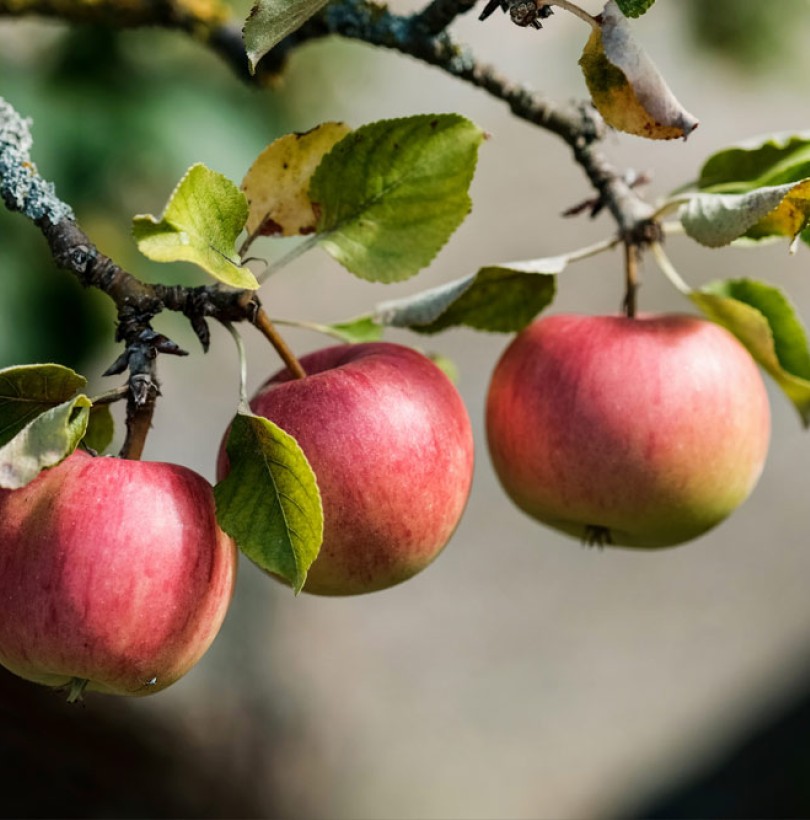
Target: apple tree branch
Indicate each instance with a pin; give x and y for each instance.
(23, 190)
(422, 35)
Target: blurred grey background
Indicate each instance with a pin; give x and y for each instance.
(521, 675)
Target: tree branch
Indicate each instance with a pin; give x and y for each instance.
(439, 14)
(421, 35)
(578, 125)
(210, 22)
(23, 190)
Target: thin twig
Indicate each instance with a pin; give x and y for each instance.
(110, 396)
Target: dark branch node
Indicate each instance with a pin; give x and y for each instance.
(644, 233)
(80, 258)
(523, 12)
(143, 388)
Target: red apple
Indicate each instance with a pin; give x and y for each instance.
(112, 572)
(639, 432)
(390, 442)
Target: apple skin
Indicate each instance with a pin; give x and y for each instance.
(641, 432)
(390, 442)
(111, 571)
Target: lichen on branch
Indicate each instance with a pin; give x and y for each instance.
(23, 190)
(21, 187)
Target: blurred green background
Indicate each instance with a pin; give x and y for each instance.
(521, 675)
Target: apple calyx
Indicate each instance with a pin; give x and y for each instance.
(75, 689)
(596, 535)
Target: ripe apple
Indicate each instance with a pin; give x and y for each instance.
(639, 432)
(114, 575)
(390, 442)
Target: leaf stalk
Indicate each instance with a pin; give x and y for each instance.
(668, 268)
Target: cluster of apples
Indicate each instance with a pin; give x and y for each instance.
(643, 432)
(116, 578)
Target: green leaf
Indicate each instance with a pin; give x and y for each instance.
(277, 184)
(100, 428)
(270, 503)
(51, 437)
(499, 298)
(391, 193)
(28, 390)
(758, 163)
(634, 8)
(270, 21)
(625, 85)
(362, 329)
(715, 220)
(200, 224)
(763, 319)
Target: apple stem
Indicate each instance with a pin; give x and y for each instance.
(139, 422)
(143, 393)
(262, 321)
(631, 279)
(76, 689)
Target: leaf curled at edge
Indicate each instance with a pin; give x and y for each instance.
(28, 390)
(766, 323)
(626, 87)
(51, 437)
(200, 224)
(715, 220)
(498, 298)
(270, 503)
(100, 428)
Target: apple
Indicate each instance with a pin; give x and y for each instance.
(114, 575)
(641, 432)
(390, 442)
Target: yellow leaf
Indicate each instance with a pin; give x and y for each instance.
(277, 183)
(625, 85)
(791, 216)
